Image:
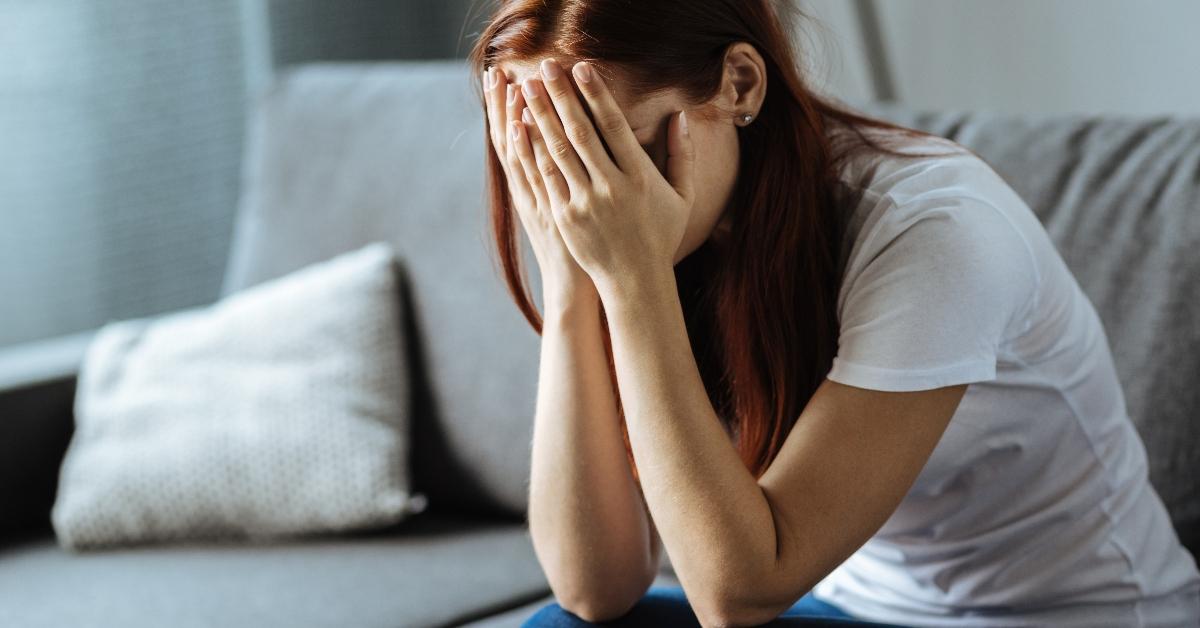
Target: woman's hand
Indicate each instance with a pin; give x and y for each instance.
(621, 221)
(563, 281)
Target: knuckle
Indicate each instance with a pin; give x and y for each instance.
(579, 133)
(574, 213)
(584, 197)
(561, 148)
(610, 121)
(557, 90)
(601, 188)
(547, 168)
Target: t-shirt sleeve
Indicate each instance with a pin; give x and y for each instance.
(943, 282)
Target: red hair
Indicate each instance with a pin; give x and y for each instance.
(761, 311)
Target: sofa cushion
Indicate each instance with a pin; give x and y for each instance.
(280, 410)
(340, 154)
(1120, 197)
(428, 570)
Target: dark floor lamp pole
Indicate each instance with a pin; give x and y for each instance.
(877, 60)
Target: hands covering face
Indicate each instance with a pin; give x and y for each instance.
(617, 216)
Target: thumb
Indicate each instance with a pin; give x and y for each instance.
(681, 157)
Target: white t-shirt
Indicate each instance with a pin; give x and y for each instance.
(1035, 507)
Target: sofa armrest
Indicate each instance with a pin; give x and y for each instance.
(42, 361)
(37, 393)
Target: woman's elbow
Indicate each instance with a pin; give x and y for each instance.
(595, 609)
(603, 602)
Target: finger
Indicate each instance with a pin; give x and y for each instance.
(609, 118)
(487, 106)
(556, 185)
(496, 121)
(681, 156)
(513, 107)
(523, 152)
(511, 115)
(517, 181)
(577, 127)
(520, 177)
(551, 131)
(514, 102)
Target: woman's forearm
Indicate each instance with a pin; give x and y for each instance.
(709, 508)
(587, 520)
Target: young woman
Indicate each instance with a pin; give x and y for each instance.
(834, 366)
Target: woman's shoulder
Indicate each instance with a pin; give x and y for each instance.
(912, 165)
(921, 174)
(940, 208)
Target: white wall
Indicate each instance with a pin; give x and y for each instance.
(831, 47)
(1094, 56)
(121, 126)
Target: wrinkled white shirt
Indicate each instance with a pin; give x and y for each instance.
(1035, 507)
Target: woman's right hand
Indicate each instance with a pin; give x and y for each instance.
(562, 277)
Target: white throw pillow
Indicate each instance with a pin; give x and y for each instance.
(281, 410)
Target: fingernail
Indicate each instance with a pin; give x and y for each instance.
(493, 80)
(516, 129)
(527, 116)
(583, 71)
(527, 88)
(487, 80)
(511, 94)
(551, 69)
(683, 122)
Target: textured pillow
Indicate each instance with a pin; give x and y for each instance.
(280, 410)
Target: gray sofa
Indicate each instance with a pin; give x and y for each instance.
(342, 154)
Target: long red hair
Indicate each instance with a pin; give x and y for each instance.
(761, 312)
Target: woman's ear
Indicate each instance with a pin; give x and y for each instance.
(745, 82)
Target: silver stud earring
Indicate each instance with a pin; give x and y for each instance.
(747, 118)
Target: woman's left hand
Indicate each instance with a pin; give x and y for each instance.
(621, 221)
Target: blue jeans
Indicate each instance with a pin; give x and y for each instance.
(667, 607)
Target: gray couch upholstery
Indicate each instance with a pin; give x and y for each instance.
(343, 154)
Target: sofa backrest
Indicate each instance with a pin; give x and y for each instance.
(343, 154)
(339, 155)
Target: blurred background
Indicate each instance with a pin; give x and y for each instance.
(122, 121)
